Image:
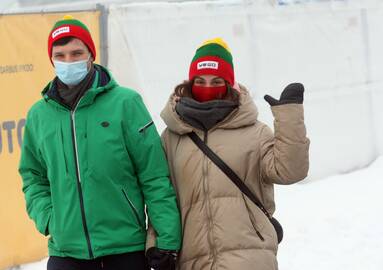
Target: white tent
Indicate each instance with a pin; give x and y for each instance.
(333, 47)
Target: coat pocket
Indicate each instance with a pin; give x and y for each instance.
(134, 210)
(252, 219)
(51, 226)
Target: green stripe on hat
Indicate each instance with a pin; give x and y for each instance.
(214, 49)
(70, 22)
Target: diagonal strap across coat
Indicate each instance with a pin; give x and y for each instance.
(236, 180)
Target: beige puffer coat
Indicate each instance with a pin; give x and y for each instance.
(222, 229)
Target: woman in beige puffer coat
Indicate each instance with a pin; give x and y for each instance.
(222, 228)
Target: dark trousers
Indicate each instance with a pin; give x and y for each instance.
(126, 261)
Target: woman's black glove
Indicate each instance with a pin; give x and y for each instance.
(293, 93)
(160, 259)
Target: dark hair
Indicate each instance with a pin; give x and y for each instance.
(184, 90)
(62, 41)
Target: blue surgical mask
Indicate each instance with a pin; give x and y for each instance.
(71, 73)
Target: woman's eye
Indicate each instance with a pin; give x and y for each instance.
(217, 83)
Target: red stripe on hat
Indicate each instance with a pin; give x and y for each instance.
(212, 65)
(68, 30)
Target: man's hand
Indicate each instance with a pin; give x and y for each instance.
(160, 259)
(293, 93)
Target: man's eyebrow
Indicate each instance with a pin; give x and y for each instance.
(78, 50)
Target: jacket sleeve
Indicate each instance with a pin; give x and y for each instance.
(151, 235)
(36, 186)
(145, 149)
(285, 154)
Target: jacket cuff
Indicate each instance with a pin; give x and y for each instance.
(167, 246)
(288, 112)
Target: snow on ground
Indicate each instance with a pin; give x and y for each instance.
(332, 224)
(335, 223)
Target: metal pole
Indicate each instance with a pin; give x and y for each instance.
(104, 11)
(368, 80)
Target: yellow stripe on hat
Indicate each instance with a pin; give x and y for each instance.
(68, 17)
(219, 41)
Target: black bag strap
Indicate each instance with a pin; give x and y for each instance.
(227, 170)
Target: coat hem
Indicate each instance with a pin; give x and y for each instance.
(97, 253)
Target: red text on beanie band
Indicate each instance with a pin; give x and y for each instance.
(60, 31)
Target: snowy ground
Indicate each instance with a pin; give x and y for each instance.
(335, 223)
(332, 224)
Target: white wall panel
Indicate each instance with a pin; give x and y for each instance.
(334, 52)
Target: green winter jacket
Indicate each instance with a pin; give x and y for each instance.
(88, 173)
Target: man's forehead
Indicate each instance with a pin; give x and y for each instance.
(75, 43)
(78, 41)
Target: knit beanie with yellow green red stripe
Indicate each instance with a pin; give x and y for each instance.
(213, 57)
(70, 27)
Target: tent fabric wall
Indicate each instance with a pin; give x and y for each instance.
(325, 48)
(374, 21)
(160, 41)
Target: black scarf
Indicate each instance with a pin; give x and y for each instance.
(204, 115)
(71, 96)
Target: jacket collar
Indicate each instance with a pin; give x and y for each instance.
(104, 82)
(245, 115)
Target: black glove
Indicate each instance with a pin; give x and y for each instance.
(293, 93)
(160, 259)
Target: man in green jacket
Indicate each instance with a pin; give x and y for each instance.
(91, 162)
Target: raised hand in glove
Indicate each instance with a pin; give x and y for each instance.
(293, 93)
(160, 259)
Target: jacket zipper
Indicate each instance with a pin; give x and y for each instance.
(134, 209)
(208, 212)
(256, 230)
(74, 140)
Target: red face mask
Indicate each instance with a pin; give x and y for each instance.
(203, 94)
